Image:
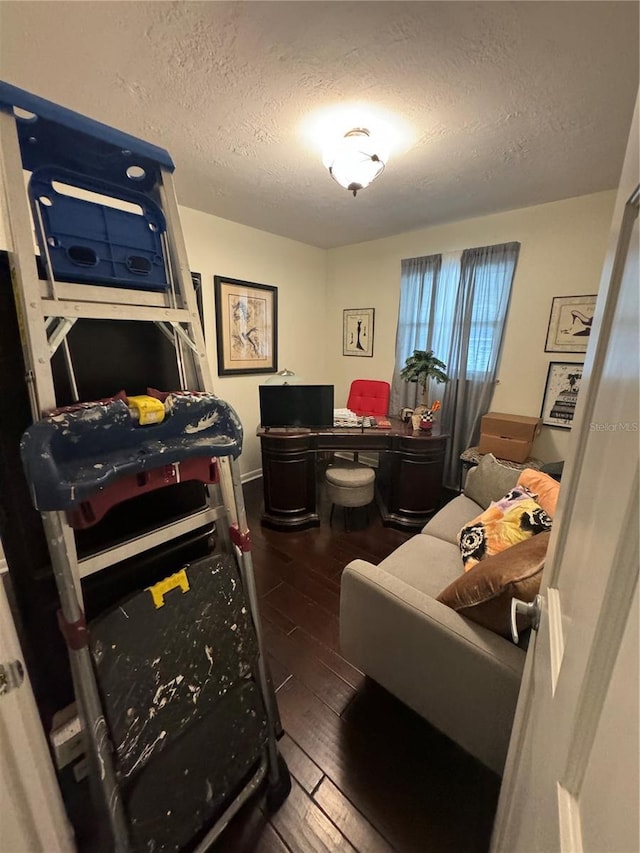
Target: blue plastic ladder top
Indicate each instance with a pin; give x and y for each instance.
(88, 239)
(56, 136)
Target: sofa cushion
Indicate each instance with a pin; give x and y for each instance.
(544, 487)
(484, 593)
(446, 523)
(425, 563)
(489, 480)
(460, 676)
(505, 523)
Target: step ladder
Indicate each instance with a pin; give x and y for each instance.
(81, 169)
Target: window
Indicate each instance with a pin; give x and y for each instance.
(456, 305)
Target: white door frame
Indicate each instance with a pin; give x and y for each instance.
(615, 580)
(32, 815)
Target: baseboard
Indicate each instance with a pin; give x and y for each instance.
(251, 475)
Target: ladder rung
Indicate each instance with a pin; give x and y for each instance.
(110, 556)
(95, 293)
(113, 311)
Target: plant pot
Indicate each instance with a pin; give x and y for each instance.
(426, 420)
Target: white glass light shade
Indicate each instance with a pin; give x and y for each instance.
(284, 377)
(356, 161)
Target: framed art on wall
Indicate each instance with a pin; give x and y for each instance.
(570, 323)
(357, 331)
(561, 393)
(246, 326)
(196, 281)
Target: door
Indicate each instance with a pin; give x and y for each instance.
(32, 817)
(571, 777)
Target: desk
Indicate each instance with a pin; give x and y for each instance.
(408, 482)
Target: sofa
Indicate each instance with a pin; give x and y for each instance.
(461, 676)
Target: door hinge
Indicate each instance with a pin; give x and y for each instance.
(11, 676)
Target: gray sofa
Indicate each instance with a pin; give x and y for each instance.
(461, 677)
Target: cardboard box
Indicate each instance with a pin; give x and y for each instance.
(508, 436)
(513, 449)
(510, 426)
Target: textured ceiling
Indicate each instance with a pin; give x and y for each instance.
(507, 104)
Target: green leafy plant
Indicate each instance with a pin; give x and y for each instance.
(423, 367)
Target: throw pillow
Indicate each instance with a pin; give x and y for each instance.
(484, 594)
(514, 518)
(489, 480)
(544, 487)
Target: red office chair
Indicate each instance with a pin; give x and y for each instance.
(369, 397)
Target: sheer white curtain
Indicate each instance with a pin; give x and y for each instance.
(425, 296)
(456, 305)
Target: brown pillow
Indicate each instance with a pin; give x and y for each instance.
(484, 593)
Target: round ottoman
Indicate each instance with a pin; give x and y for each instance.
(349, 485)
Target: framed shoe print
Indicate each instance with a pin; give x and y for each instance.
(570, 323)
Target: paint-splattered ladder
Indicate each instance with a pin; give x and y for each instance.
(105, 215)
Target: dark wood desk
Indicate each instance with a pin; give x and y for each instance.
(408, 481)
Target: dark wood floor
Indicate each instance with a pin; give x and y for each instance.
(368, 774)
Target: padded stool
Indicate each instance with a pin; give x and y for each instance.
(349, 485)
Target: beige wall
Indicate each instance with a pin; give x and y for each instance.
(562, 251)
(219, 247)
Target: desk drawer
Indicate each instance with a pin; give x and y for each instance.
(434, 446)
(368, 440)
(288, 470)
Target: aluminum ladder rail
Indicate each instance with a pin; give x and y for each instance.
(47, 310)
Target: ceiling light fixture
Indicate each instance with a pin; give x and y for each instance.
(356, 161)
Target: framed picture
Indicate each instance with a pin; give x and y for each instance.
(570, 323)
(246, 326)
(561, 393)
(196, 280)
(357, 331)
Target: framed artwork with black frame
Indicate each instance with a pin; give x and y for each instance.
(570, 323)
(246, 326)
(196, 280)
(561, 393)
(357, 331)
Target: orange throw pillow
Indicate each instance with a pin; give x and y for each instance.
(511, 520)
(544, 487)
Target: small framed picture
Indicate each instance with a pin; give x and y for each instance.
(570, 323)
(561, 393)
(196, 280)
(246, 326)
(357, 331)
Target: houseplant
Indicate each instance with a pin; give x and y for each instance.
(423, 367)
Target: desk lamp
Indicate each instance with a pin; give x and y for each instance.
(284, 377)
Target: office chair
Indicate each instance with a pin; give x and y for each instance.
(369, 397)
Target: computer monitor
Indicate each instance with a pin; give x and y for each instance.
(296, 406)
